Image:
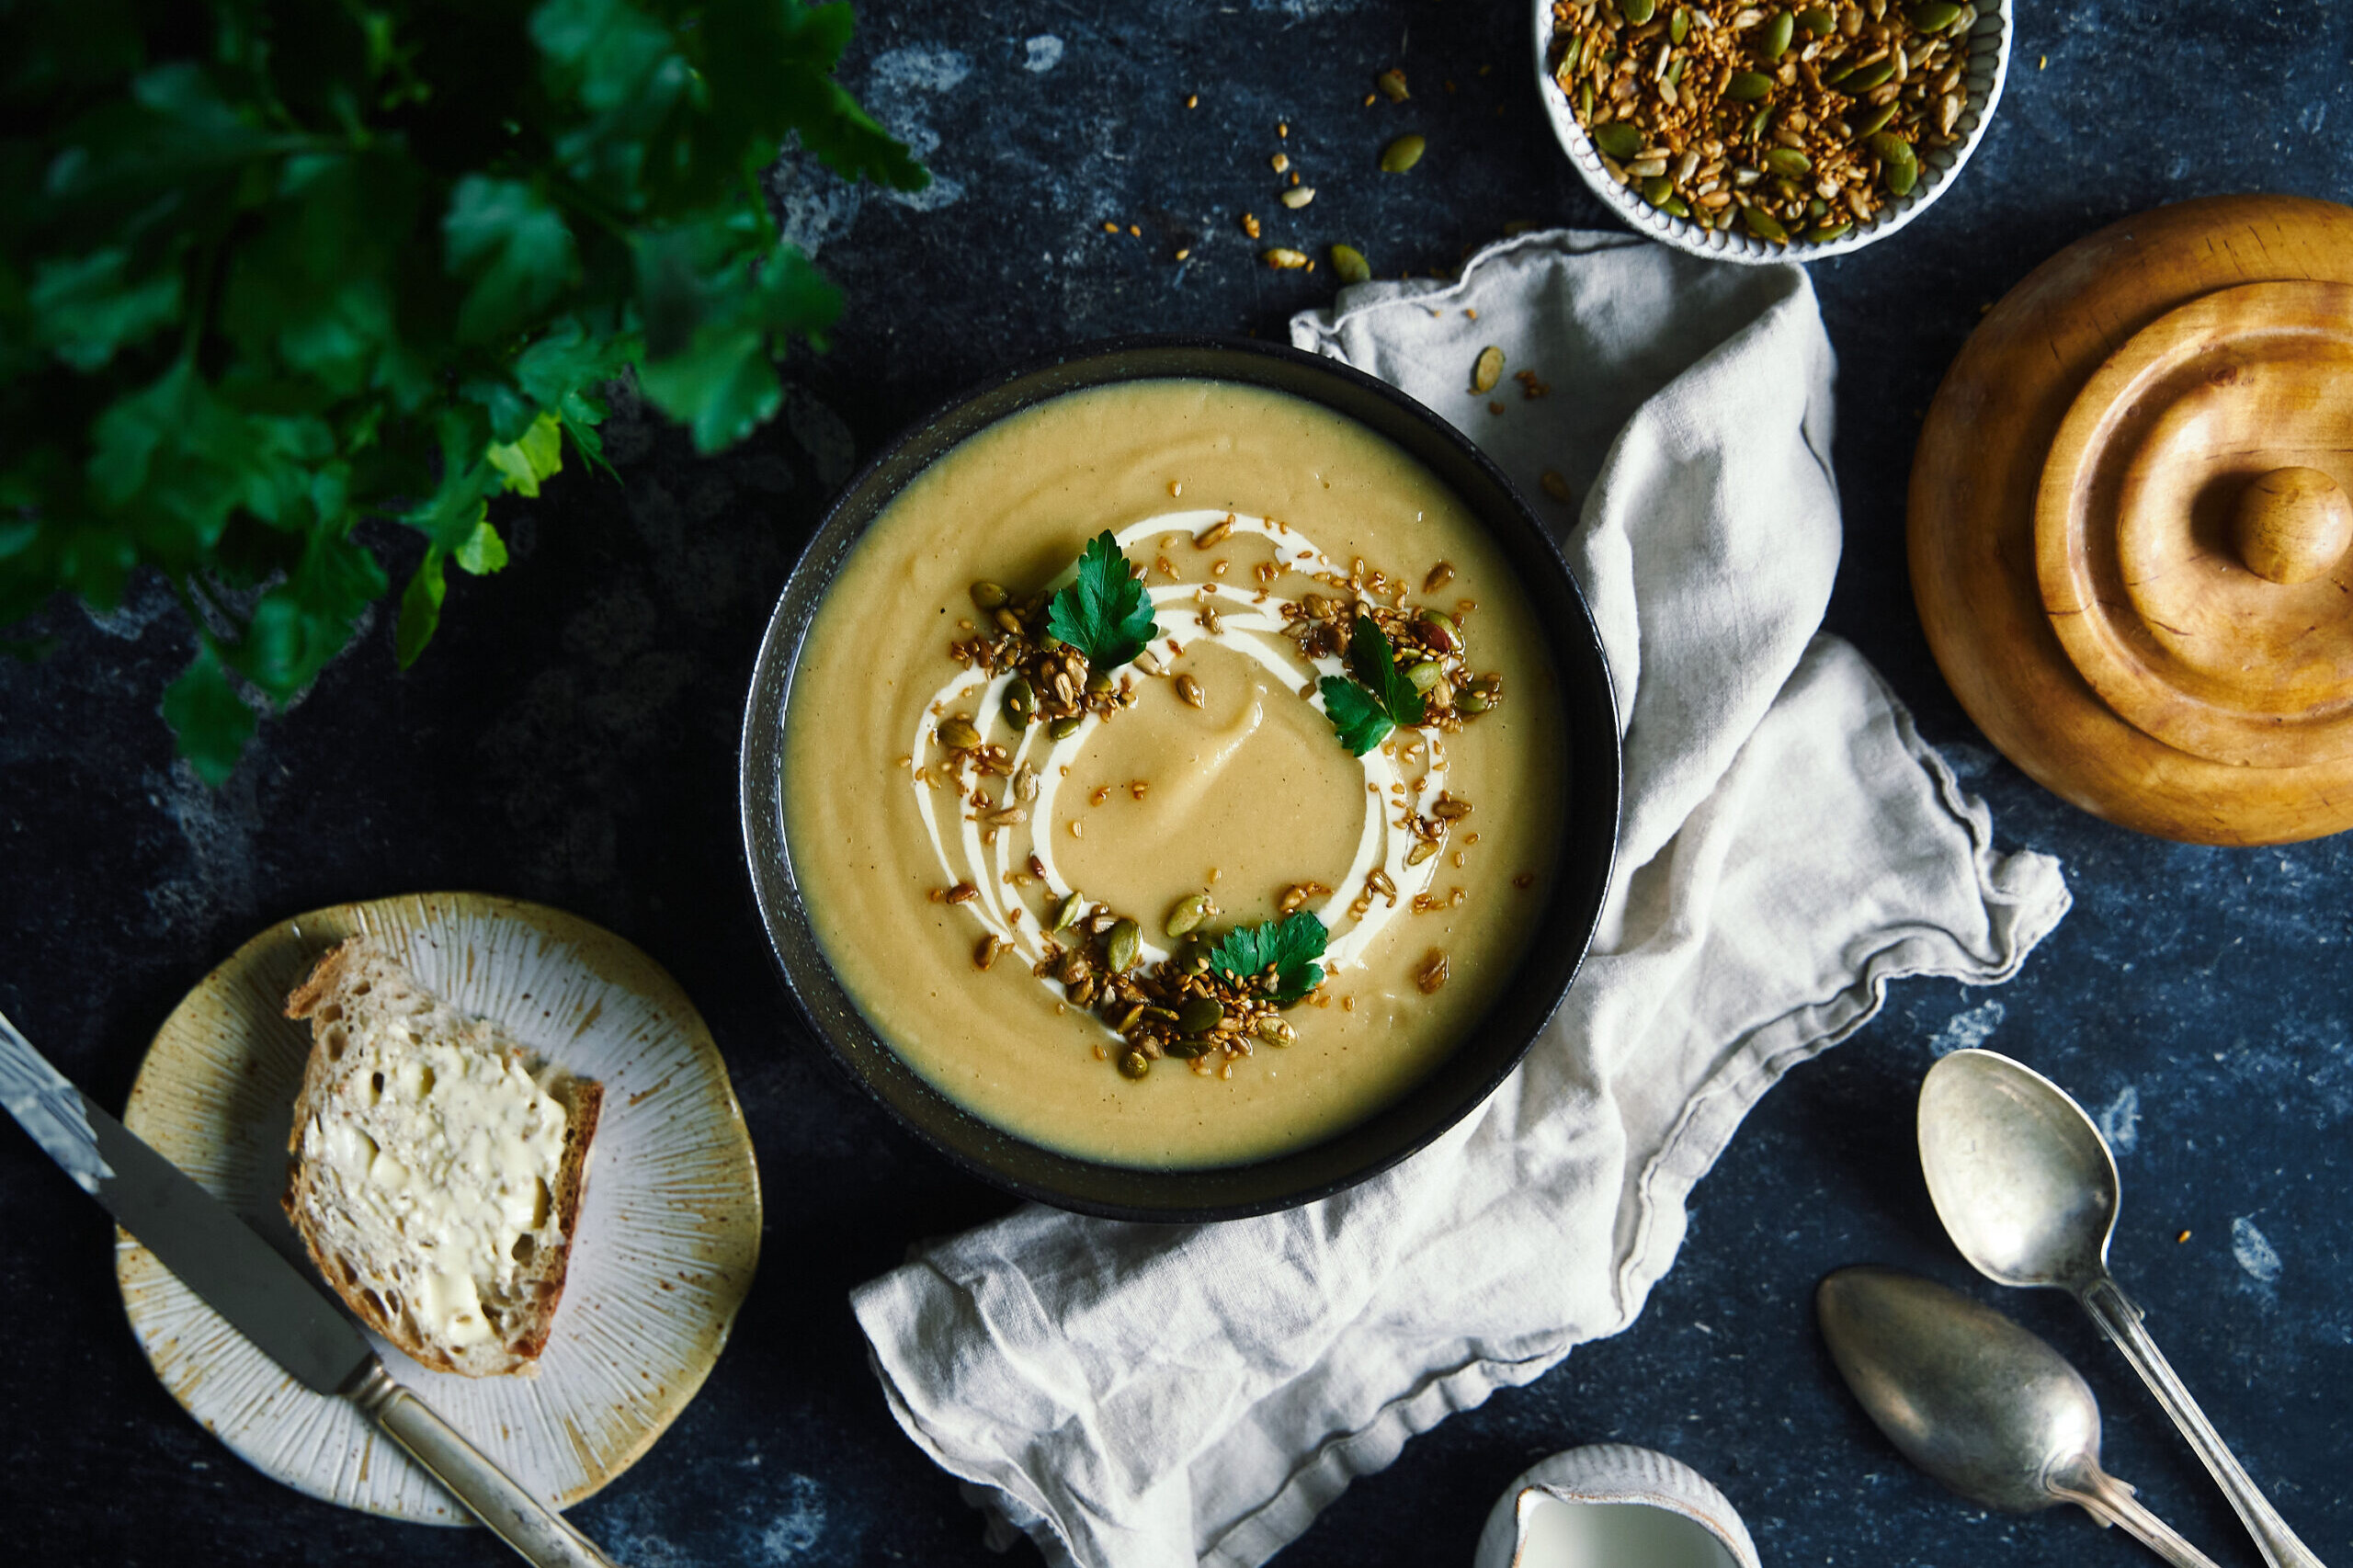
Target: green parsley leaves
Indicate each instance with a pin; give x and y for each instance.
(279, 282)
(1289, 948)
(1380, 699)
(1105, 614)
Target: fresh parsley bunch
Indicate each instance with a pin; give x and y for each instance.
(271, 270)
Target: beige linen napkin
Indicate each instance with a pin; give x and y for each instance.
(1139, 1396)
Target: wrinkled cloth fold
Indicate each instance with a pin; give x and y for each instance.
(1141, 1396)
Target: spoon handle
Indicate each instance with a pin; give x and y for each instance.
(2120, 1319)
(2111, 1502)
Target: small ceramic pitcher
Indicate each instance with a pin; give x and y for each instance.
(1614, 1506)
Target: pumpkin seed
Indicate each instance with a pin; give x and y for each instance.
(1008, 621)
(1441, 629)
(1401, 154)
(1936, 15)
(1788, 162)
(1199, 1016)
(1679, 24)
(1637, 12)
(1875, 120)
(956, 734)
(1274, 1032)
(1776, 41)
(1099, 681)
(1082, 989)
(1391, 84)
(1902, 177)
(1675, 207)
(1658, 189)
(1282, 258)
(1618, 139)
(1488, 370)
(1121, 946)
(1298, 196)
(1188, 1049)
(1747, 87)
(1067, 912)
(1424, 674)
(1818, 20)
(1473, 702)
(1823, 234)
(1064, 728)
(1863, 78)
(1350, 263)
(1764, 225)
(1128, 1019)
(1193, 954)
(1134, 1064)
(1020, 702)
(1190, 911)
(988, 597)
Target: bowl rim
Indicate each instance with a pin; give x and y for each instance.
(1586, 857)
(1994, 18)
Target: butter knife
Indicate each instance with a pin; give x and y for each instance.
(264, 1297)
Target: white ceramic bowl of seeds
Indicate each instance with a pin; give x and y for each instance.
(1754, 132)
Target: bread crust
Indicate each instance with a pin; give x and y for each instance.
(329, 998)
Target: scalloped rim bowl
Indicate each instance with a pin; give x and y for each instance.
(1988, 73)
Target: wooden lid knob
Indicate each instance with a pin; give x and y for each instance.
(2191, 531)
(2293, 525)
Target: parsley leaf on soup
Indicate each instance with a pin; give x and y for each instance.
(1380, 699)
(1289, 946)
(1105, 613)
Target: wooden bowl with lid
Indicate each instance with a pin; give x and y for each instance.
(2130, 523)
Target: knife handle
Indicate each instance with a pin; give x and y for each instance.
(516, 1517)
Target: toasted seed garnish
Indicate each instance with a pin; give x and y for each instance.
(1439, 576)
(1134, 1064)
(1420, 852)
(1148, 662)
(1199, 1015)
(1064, 728)
(962, 892)
(1282, 258)
(1424, 674)
(1617, 139)
(986, 953)
(1391, 84)
(1433, 973)
(987, 596)
(1188, 911)
(1298, 196)
(1020, 702)
(1350, 263)
(1082, 989)
(1448, 809)
(1401, 154)
(1025, 783)
(956, 734)
(1273, 1030)
(1488, 370)
(1474, 702)
(1190, 690)
(1066, 913)
(1209, 538)
(1121, 946)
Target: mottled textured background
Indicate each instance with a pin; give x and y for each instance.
(570, 738)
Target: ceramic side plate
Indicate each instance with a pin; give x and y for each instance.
(1613, 1506)
(669, 1226)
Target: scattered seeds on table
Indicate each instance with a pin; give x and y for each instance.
(1250, 225)
(1350, 263)
(1299, 196)
(1280, 162)
(1391, 84)
(1488, 370)
(1283, 258)
(1401, 154)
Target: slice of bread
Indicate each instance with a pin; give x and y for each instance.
(436, 1166)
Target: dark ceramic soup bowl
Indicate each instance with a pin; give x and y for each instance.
(1589, 794)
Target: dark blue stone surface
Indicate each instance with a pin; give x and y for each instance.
(570, 739)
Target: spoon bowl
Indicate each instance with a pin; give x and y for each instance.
(2020, 1175)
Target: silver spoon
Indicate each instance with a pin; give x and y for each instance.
(2025, 1186)
(1977, 1402)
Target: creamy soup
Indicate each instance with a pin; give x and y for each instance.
(972, 839)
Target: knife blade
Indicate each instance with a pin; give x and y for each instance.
(263, 1296)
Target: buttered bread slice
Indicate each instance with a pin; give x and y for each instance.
(436, 1166)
